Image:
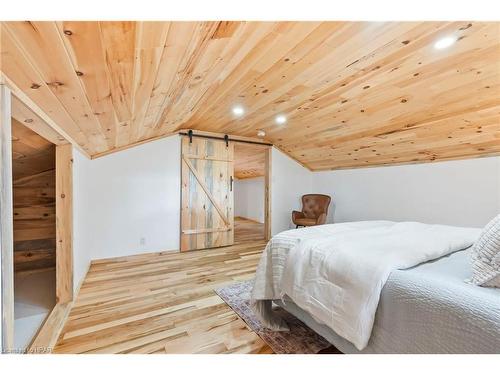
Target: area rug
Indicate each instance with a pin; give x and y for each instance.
(299, 340)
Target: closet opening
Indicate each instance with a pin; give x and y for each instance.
(36, 235)
(34, 229)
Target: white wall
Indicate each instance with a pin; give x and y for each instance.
(249, 198)
(126, 196)
(290, 181)
(464, 192)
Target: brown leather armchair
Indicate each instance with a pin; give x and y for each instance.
(314, 210)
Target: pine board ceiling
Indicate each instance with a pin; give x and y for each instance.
(249, 160)
(354, 93)
(31, 154)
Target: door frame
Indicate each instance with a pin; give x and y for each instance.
(7, 223)
(48, 333)
(267, 192)
(267, 172)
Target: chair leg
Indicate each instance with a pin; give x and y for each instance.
(296, 226)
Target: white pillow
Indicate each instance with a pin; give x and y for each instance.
(486, 256)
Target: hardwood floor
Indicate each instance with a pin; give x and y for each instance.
(165, 303)
(246, 230)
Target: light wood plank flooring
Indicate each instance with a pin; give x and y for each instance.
(246, 230)
(164, 302)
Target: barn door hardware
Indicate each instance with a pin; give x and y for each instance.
(226, 138)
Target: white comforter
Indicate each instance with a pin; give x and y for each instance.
(336, 272)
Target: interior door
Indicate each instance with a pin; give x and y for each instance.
(207, 194)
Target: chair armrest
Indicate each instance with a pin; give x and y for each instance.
(297, 215)
(321, 219)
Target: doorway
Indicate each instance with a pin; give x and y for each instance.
(252, 192)
(34, 229)
(36, 254)
(249, 192)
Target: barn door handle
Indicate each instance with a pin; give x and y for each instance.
(231, 183)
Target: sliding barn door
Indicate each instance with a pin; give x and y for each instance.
(207, 194)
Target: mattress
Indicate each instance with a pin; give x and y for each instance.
(427, 309)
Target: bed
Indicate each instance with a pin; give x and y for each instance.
(427, 308)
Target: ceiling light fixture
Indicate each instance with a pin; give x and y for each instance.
(445, 42)
(261, 133)
(280, 119)
(238, 110)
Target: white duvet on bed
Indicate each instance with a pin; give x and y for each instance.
(336, 272)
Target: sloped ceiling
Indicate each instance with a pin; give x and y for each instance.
(354, 93)
(31, 154)
(249, 161)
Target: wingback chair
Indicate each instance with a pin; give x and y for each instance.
(314, 210)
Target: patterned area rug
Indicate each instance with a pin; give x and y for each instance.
(300, 340)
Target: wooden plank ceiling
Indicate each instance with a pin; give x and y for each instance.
(249, 160)
(354, 93)
(31, 154)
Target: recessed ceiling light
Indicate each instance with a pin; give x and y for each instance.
(445, 42)
(238, 110)
(280, 119)
(261, 133)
